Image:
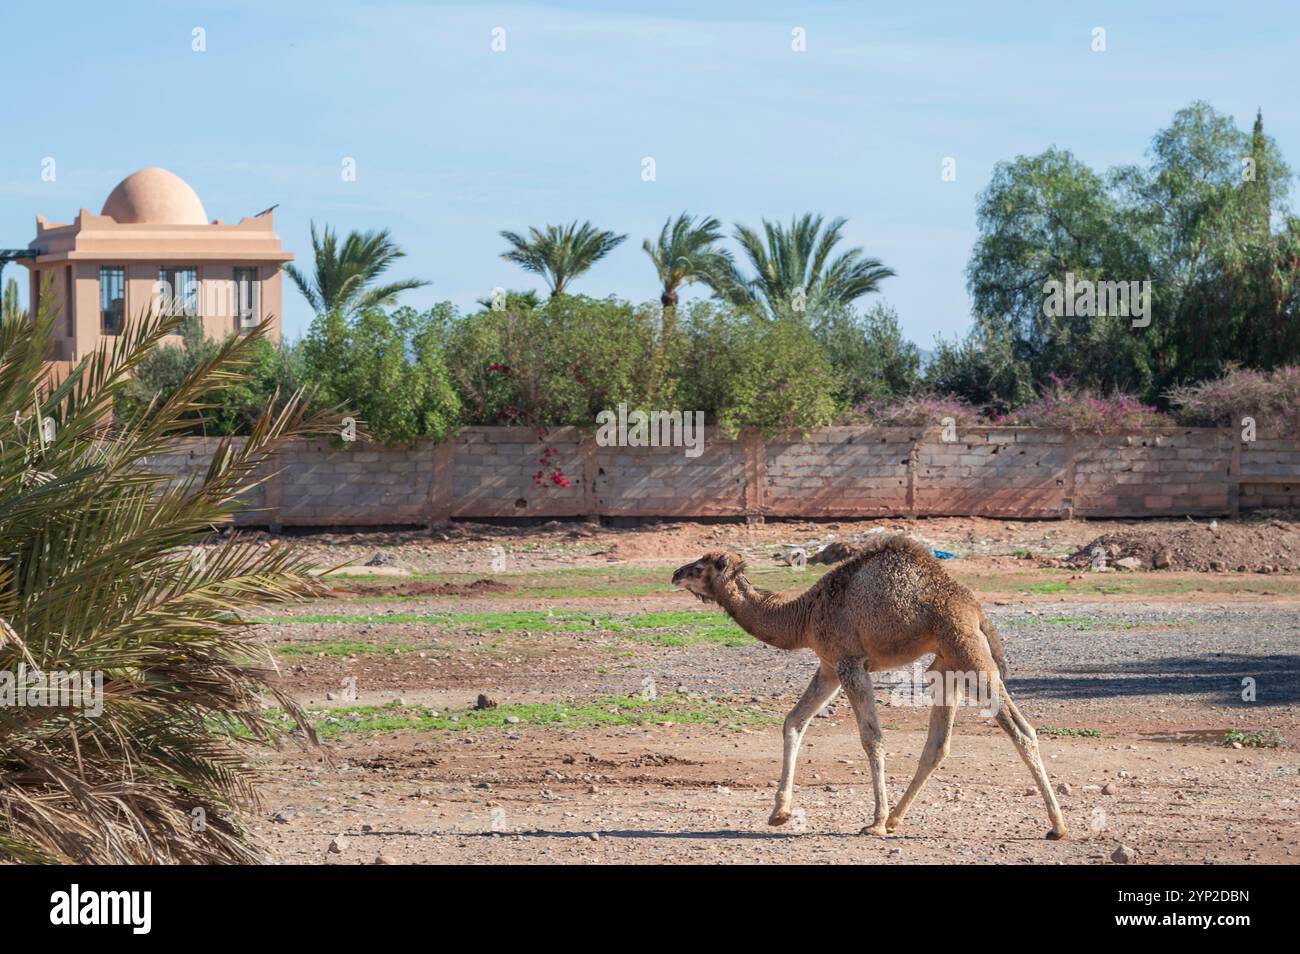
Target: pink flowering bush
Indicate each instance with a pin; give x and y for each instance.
(1079, 410)
(1271, 397)
(920, 410)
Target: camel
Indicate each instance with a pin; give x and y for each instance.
(888, 605)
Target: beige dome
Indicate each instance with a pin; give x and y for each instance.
(155, 196)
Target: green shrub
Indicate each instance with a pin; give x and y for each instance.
(868, 354)
(559, 363)
(984, 368)
(229, 409)
(387, 369)
(746, 370)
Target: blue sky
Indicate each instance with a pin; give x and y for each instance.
(454, 142)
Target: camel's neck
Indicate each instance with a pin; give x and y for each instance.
(769, 617)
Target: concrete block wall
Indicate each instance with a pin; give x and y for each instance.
(832, 472)
(1269, 471)
(994, 472)
(663, 481)
(839, 471)
(1159, 472)
(321, 484)
(492, 473)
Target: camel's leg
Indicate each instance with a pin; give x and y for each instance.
(1026, 741)
(823, 688)
(942, 715)
(970, 651)
(857, 686)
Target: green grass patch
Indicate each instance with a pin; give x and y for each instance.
(597, 713)
(1137, 584)
(729, 636)
(683, 628)
(1056, 586)
(356, 618)
(589, 581)
(1058, 731)
(352, 647)
(504, 622)
(1092, 623)
(1262, 739)
(671, 628)
(611, 581)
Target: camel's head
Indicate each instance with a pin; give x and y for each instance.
(709, 573)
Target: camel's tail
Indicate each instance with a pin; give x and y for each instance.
(995, 644)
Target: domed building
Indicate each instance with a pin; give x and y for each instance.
(151, 245)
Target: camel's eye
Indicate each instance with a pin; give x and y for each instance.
(721, 562)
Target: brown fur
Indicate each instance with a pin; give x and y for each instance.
(888, 605)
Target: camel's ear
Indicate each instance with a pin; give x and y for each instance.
(722, 562)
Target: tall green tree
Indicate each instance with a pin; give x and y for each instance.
(9, 308)
(1195, 222)
(686, 252)
(1042, 219)
(345, 274)
(561, 253)
(794, 271)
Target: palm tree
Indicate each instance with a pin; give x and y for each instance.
(517, 300)
(345, 275)
(686, 253)
(9, 307)
(795, 271)
(111, 572)
(561, 253)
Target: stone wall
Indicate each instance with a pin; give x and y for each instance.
(832, 472)
(321, 484)
(838, 470)
(996, 472)
(1165, 472)
(1269, 472)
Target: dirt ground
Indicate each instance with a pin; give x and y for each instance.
(1168, 705)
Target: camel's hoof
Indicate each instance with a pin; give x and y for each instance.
(1055, 835)
(779, 816)
(877, 829)
(893, 825)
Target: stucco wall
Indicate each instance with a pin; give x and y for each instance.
(832, 472)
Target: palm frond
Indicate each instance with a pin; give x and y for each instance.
(795, 262)
(99, 576)
(343, 273)
(561, 253)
